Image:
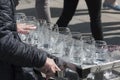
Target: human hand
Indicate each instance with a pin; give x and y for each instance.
(24, 28)
(49, 68)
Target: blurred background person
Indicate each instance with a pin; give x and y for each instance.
(94, 9)
(111, 4)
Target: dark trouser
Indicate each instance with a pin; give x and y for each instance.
(43, 10)
(94, 8)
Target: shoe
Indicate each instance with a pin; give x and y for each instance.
(110, 6)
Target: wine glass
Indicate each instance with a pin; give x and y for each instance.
(113, 51)
(20, 17)
(68, 45)
(76, 55)
(88, 49)
(64, 30)
(60, 49)
(41, 31)
(102, 54)
(50, 36)
(32, 36)
(31, 20)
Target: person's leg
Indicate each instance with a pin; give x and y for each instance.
(67, 13)
(43, 10)
(94, 8)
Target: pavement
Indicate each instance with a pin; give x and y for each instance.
(80, 21)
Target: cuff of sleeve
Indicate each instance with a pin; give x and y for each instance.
(40, 58)
(43, 60)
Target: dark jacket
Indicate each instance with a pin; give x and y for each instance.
(15, 54)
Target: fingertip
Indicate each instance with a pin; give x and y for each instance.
(58, 68)
(33, 27)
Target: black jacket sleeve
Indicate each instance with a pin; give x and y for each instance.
(11, 49)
